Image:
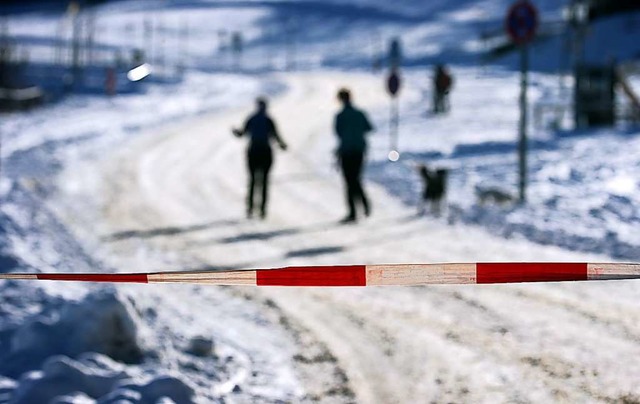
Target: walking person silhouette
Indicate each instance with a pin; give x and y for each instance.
(261, 130)
(351, 126)
(442, 84)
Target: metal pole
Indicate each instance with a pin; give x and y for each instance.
(267, 53)
(90, 39)
(522, 146)
(58, 44)
(391, 125)
(1, 157)
(294, 43)
(396, 122)
(148, 39)
(289, 43)
(185, 61)
(75, 49)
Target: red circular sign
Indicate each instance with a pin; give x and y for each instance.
(521, 22)
(393, 84)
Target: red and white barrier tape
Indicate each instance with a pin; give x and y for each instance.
(368, 275)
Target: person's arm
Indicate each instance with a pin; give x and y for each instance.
(337, 126)
(276, 135)
(240, 132)
(368, 127)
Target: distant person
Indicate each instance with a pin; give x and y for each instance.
(261, 130)
(442, 84)
(351, 126)
(434, 189)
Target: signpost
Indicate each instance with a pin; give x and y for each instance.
(521, 24)
(237, 46)
(393, 87)
(395, 53)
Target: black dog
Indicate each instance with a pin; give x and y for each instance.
(435, 186)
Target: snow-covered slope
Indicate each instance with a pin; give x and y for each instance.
(276, 34)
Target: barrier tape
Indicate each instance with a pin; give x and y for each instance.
(367, 275)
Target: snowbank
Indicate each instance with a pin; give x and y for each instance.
(103, 322)
(95, 377)
(103, 332)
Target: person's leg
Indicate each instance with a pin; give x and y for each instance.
(422, 205)
(439, 102)
(266, 167)
(358, 189)
(436, 207)
(349, 174)
(252, 164)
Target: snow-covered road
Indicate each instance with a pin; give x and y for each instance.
(177, 194)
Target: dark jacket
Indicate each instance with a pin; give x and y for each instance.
(261, 129)
(351, 125)
(443, 81)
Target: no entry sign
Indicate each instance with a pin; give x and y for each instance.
(393, 83)
(521, 22)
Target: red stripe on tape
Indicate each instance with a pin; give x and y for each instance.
(349, 275)
(530, 272)
(128, 278)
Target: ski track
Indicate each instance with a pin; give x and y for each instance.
(517, 343)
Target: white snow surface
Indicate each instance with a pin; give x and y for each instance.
(154, 181)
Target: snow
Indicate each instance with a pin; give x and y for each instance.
(95, 378)
(152, 180)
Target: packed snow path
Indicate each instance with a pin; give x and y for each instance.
(180, 191)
